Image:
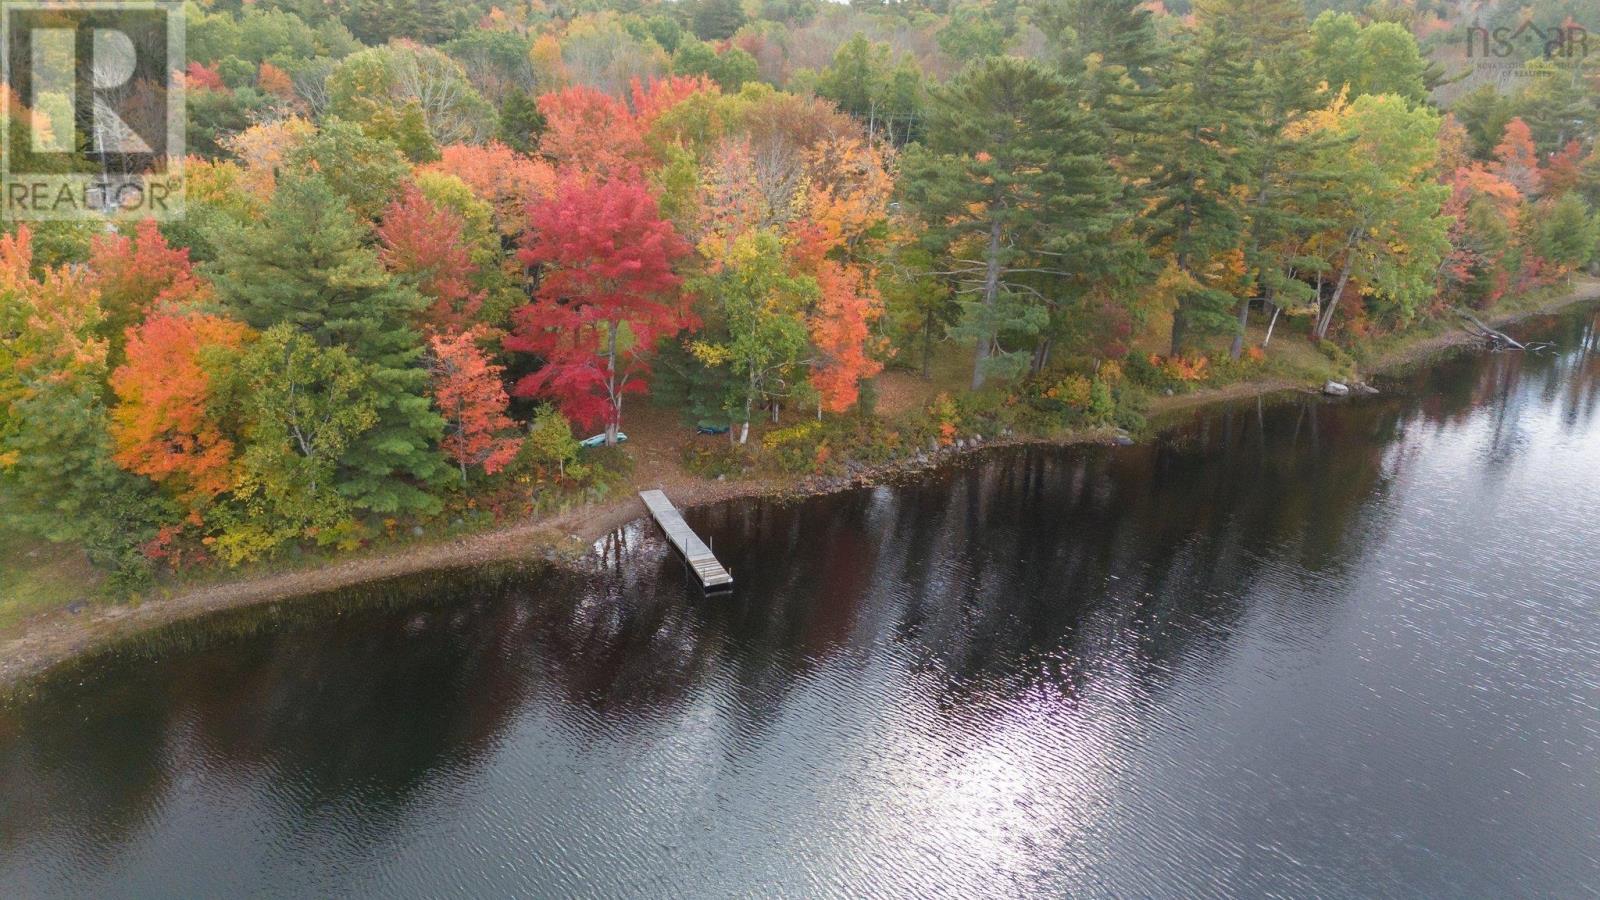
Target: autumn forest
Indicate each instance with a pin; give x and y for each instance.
(429, 246)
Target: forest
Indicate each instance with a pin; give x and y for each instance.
(429, 245)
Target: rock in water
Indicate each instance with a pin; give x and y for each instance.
(1336, 389)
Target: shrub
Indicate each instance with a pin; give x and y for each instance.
(1102, 407)
(719, 459)
(795, 448)
(606, 463)
(946, 418)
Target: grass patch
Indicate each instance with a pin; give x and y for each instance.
(36, 576)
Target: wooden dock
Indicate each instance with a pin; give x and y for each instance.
(695, 552)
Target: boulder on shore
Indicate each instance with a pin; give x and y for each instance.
(1336, 389)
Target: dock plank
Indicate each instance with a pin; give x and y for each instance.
(699, 556)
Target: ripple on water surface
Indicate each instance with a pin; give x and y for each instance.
(1295, 648)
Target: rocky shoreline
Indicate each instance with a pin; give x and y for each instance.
(47, 640)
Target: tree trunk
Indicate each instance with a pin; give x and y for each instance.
(991, 292)
(1238, 336)
(615, 423)
(1041, 356)
(927, 346)
(749, 402)
(1326, 319)
(1180, 330)
(1276, 309)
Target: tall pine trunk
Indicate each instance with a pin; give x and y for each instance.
(1237, 349)
(1180, 315)
(991, 293)
(1041, 356)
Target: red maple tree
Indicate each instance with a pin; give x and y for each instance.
(202, 77)
(141, 275)
(423, 241)
(607, 294)
(653, 97)
(1563, 171)
(472, 397)
(275, 81)
(592, 135)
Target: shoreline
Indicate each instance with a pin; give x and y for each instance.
(39, 644)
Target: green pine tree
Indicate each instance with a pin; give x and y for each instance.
(1200, 159)
(1278, 219)
(1015, 194)
(305, 263)
(521, 122)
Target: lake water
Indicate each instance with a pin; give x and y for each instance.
(1295, 647)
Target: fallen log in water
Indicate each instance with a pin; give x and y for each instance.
(1495, 339)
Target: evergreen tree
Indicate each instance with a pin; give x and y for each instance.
(1205, 118)
(1113, 38)
(717, 20)
(1282, 157)
(305, 263)
(1557, 105)
(1112, 50)
(1484, 113)
(365, 171)
(1012, 187)
(521, 123)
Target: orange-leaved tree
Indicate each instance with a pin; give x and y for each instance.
(166, 425)
(846, 201)
(592, 135)
(841, 330)
(56, 470)
(139, 275)
(499, 175)
(472, 398)
(1515, 158)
